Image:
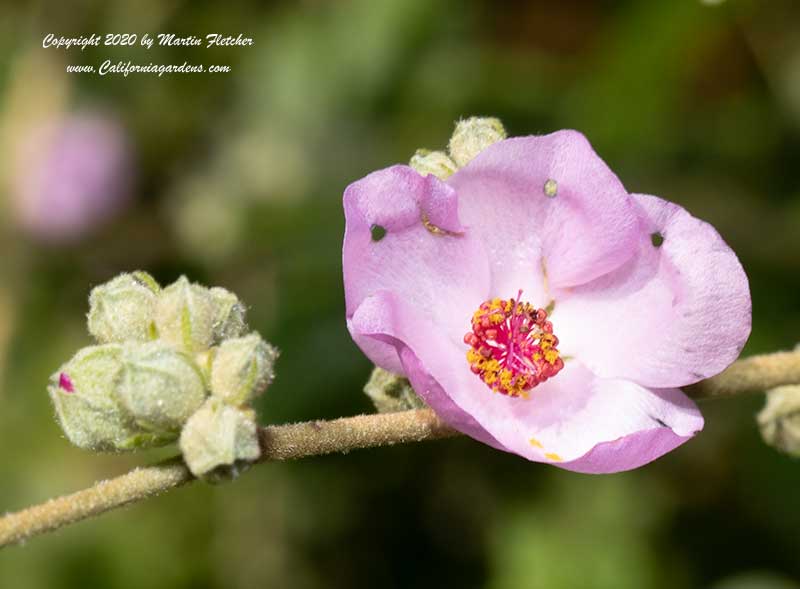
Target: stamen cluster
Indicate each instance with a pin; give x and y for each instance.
(512, 346)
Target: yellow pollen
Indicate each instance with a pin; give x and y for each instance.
(535, 443)
(553, 456)
(431, 227)
(512, 348)
(491, 365)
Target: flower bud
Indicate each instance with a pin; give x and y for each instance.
(185, 314)
(219, 440)
(242, 369)
(779, 420)
(159, 386)
(229, 315)
(88, 408)
(472, 136)
(437, 163)
(391, 393)
(203, 360)
(123, 309)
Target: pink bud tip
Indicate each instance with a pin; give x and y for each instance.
(65, 383)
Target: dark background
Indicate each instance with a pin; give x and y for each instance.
(237, 181)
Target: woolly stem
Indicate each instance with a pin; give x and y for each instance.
(287, 442)
(750, 375)
(279, 442)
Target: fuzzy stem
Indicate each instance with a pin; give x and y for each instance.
(755, 374)
(287, 442)
(279, 442)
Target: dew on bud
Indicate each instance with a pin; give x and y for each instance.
(242, 369)
(123, 308)
(229, 315)
(185, 315)
(159, 386)
(219, 440)
(164, 352)
(84, 394)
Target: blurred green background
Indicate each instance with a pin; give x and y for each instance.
(237, 181)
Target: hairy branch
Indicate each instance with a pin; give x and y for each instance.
(755, 374)
(279, 442)
(287, 442)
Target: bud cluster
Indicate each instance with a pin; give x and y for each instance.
(470, 137)
(171, 364)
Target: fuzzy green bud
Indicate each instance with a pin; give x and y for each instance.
(84, 393)
(390, 392)
(219, 440)
(229, 315)
(123, 308)
(159, 386)
(185, 315)
(203, 361)
(779, 420)
(472, 136)
(437, 163)
(242, 369)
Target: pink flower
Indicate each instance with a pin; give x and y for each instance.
(644, 297)
(71, 176)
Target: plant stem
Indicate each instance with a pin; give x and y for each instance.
(751, 375)
(313, 438)
(279, 442)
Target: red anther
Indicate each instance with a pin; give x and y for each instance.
(511, 357)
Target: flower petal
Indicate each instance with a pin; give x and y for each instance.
(546, 201)
(595, 425)
(575, 420)
(675, 314)
(403, 235)
(383, 318)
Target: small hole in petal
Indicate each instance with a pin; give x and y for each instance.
(551, 188)
(656, 239)
(378, 232)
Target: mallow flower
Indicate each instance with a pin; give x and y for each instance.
(71, 175)
(537, 306)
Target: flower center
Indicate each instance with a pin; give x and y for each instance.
(512, 346)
